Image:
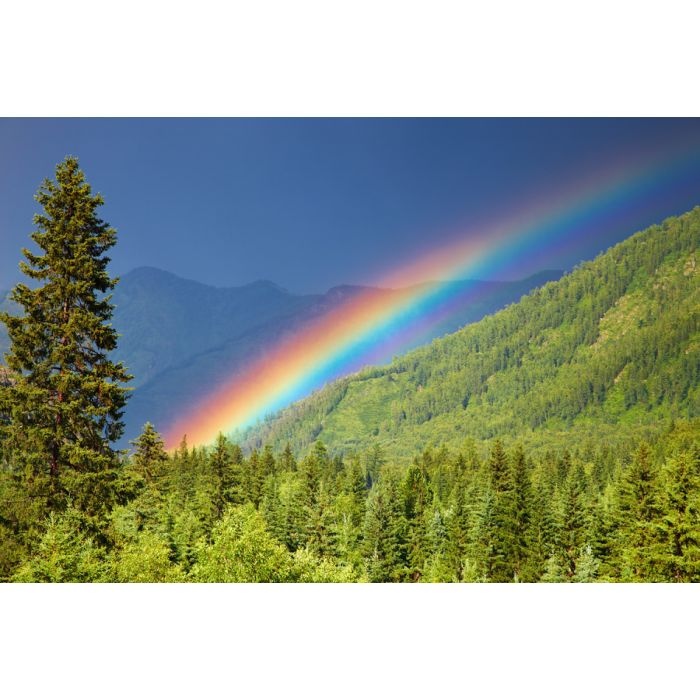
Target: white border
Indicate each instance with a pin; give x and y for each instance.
(349, 58)
(349, 641)
(378, 58)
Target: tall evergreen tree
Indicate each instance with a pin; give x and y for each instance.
(253, 478)
(67, 400)
(226, 473)
(571, 522)
(521, 518)
(287, 461)
(459, 523)
(677, 554)
(268, 464)
(501, 552)
(417, 498)
(149, 456)
(385, 532)
(637, 509)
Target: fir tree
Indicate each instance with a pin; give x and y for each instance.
(149, 458)
(571, 522)
(483, 552)
(65, 553)
(320, 527)
(677, 554)
(253, 479)
(287, 461)
(521, 518)
(67, 400)
(459, 524)
(226, 473)
(183, 476)
(385, 535)
(417, 497)
(637, 509)
(271, 508)
(268, 464)
(501, 551)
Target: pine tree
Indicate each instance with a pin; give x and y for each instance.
(438, 568)
(271, 508)
(65, 553)
(459, 523)
(374, 461)
(356, 487)
(385, 532)
(571, 522)
(482, 551)
(310, 475)
(226, 473)
(349, 511)
(253, 479)
(501, 551)
(521, 517)
(142, 485)
(150, 457)
(66, 402)
(322, 465)
(417, 498)
(268, 464)
(636, 510)
(294, 511)
(287, 461)
(677, 553)
(320, 527)
(543, 531)
(183, 476)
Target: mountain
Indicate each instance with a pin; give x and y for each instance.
(181, 338)
(165, 320)
(611, 349)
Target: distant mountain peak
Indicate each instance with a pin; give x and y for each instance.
(267, 284)
(149, 270)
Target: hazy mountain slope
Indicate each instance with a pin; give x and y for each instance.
(611, 348)
(162, 398)
(164, 319)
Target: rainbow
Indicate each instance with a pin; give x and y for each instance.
(371, 326)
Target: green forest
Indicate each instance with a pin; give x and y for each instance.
(557, 440)
(610, 351)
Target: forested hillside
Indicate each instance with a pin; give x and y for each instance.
(610, 351)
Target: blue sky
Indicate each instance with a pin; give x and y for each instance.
(313, 203)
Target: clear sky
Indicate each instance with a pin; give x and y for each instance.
(313, 203)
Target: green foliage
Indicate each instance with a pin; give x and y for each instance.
(147, 559)
(149, 457)
(65, 402)
(242, 550)
(677, 554)
(638, 510)
(386, 533)
(307, 568)
(64, 554)
(504, 516)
